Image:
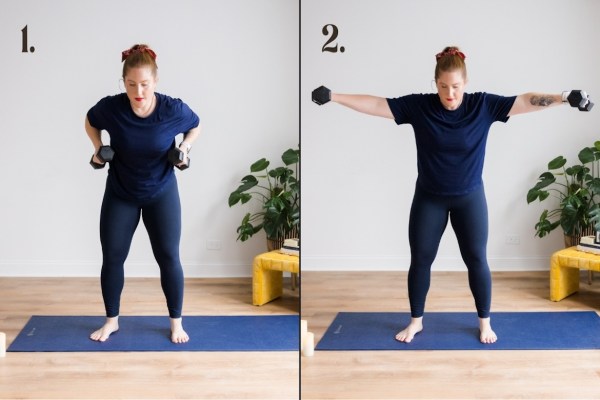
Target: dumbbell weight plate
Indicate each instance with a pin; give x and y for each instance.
(176, 156)
(96, 165)
(321, 95)
(106, 153)
(578, 98)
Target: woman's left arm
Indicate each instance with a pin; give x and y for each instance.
(529, 102)
(189, 138)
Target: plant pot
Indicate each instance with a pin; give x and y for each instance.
(277, 243)
(573, 240)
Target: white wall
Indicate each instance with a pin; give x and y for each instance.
(359, 171)
(235, 62)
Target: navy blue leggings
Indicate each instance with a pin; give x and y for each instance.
(119, 219)
(428, 219)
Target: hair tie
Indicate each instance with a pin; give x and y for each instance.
(451, 52)
(137, 49)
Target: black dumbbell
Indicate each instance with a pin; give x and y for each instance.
(176, 157)
(321, 95)
(580, 99)
(104, 154)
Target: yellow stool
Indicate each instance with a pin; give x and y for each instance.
(564, 271)
(267, 275)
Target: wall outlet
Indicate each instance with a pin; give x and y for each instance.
(513, 239)
(213, 245)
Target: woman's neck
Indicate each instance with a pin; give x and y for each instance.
(144, 112)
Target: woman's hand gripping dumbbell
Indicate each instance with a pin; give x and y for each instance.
(103, 155)
(180, 158)
(579, 99)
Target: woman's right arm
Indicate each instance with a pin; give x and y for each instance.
(367, 104)
(96, 138)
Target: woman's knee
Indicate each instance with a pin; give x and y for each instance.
(170, 265)
(475, 257)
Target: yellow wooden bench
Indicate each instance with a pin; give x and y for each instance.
(267, 275)
(564, 271)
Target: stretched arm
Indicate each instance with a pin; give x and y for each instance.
(363, 103)
(530, 102)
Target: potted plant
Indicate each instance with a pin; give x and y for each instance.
(576, 188)
(278, 191)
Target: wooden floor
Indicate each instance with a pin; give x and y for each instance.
(443, 374)
(154, 375)
(327, 375)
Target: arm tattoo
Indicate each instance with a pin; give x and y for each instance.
(542, 101)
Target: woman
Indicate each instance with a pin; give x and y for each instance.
(142, 125)
(451, 129)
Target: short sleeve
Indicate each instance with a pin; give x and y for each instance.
(190, 119)
(499, 106)
(401, 108)
(179, 113)
(97, 114)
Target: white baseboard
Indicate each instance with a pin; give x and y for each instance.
(71, 268)
(47, 269)
(394, 263)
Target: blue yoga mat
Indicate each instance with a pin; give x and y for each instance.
(151, 333)
(460, 331)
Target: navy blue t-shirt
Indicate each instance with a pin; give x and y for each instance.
(450, 143)
(140, 168)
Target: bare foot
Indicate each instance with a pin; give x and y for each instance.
(407, 335)
(487, 335)
(110, 326)
(178, 335)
